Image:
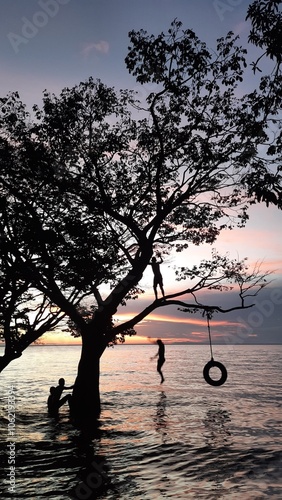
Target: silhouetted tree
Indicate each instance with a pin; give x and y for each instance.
(96, 181)
(266, 31)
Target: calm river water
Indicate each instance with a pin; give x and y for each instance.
(182, 439)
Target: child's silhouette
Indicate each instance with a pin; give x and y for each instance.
(161, 359)
(54, 402)
(158, 279)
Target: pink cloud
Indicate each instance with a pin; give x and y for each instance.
(241, 27)
(102, 46)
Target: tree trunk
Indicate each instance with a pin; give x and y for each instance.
(85, 403)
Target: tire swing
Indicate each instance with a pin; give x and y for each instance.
(212, 364)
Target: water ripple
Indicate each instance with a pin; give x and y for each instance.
(153, 442)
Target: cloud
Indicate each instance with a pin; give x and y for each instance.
(258, 324)
(242, 27)
(102, 47)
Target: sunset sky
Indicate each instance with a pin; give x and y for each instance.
(50, 44)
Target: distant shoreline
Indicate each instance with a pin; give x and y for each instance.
(170, 343)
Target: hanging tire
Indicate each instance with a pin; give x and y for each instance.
(206, 373)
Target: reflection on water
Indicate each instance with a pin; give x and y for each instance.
(181, 440)
(217, 422)
(160, 417)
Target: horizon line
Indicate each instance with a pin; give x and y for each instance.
(169, 343)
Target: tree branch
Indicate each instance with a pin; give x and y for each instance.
(164, 303)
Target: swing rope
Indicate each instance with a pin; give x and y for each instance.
(209, 330)
(212, 363)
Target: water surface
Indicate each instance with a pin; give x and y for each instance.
(182, 439)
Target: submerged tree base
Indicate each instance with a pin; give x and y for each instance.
(86, 421)
(85, 406)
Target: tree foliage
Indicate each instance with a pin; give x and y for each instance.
(266, 18)
(95, 181)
